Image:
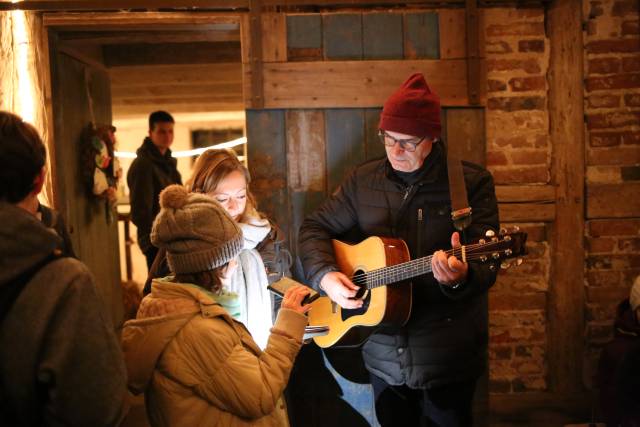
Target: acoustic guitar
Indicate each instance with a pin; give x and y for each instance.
(381, 267)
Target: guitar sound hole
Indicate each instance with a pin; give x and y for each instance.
(364, 294)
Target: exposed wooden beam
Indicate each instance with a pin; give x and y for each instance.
(256, 78)
(141, 76)
(565, 316)
(474, 77)
(106, 21)
(79, 5)
(159, 90)
(171, 53)
(178, 100)
(452, 32)
(155, 37)
(67, 5)
(121, 110)
(357, 84)
(274, 37)
(91, 55)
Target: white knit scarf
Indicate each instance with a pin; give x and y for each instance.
(250, 283)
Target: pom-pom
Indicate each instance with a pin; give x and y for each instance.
(173, 197)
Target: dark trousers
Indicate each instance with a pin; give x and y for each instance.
(445, 406)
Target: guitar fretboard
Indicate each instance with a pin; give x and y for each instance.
(399, 272)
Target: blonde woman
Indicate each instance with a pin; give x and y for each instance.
(220, 175)
(263, 259)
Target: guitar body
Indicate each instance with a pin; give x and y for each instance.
(383, 306)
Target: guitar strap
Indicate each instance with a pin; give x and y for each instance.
(460, 209)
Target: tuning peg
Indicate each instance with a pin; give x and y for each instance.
(495, 255)
(483, 258)
(490, 233)
(507, 238)
(515, 229)
(508, 252)
(505, 265)
(519, 261)
(482, 241)
(503, 231)
(492, 267)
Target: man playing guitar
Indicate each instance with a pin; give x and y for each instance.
(425, 370)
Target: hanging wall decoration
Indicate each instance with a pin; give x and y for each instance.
(102, 170)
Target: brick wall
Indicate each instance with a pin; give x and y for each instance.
(517, 55)
(612, 109)
(518, 152)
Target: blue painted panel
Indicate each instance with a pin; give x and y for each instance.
(345, 143)
(304, 31)
(373, 147)
(266, 147)
(382, 36)
(422, 36)
(302, 204)
(342, 34)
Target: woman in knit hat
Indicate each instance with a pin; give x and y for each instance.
(186, 350)
(263, 259)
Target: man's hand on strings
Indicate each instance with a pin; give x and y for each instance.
(449, 270)
(340, 289)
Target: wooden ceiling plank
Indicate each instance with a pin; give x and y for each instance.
(171, 53)
(115, 20)
(155, 37)
(239, 5)
(162, 90)
(132, 76)
(120, 110)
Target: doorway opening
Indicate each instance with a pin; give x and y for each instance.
(117, 68)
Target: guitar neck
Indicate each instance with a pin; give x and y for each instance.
(497, 248)
(404, 271)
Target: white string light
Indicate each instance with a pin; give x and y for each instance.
(188, 153)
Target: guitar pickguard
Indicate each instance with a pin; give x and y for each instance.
(366, 300)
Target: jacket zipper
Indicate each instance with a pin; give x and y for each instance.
(406, 193)
(394, 225)
(419, 245)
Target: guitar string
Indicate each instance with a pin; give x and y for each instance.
(361, 279)
(421, 265)
(415, 264)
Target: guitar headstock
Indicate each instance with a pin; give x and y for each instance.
(506, 245)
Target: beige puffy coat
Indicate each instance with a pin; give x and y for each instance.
(199, 367)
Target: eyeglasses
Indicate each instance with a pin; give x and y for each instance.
(409, 145)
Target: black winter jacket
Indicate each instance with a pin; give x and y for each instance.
(148, 175)
(445, 338)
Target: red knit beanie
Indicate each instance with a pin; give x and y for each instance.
(413, 109)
